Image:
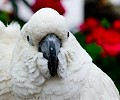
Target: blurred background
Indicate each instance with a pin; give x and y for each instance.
(95, 24)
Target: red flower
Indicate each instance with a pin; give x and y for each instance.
(89, 38)
(112, 50)
(111, 42)
(109, 39)
(116, 24)
(90, 24)
(55, 4)
(96, 35)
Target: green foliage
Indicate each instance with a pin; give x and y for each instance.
(94, 50)
(80, 38)
(105, 23)
(4, 17)
(7, 18)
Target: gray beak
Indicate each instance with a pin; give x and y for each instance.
(50, 46)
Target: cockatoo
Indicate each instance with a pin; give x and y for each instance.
(48, 63)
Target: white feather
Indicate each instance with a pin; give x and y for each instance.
(8, 37)
(29, 79)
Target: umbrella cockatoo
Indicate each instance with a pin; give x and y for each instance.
(49, 64)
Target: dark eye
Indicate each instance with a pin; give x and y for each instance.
(30, 40)
(68, 34)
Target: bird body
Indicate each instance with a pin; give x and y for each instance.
(76, 77)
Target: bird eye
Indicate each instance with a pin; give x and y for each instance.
(68, 34)
(30, 40)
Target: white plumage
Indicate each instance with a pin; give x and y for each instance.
(28, 77)
(8, 37)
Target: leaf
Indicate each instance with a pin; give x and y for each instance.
(105, 23)
(94, 50)
(80, 38)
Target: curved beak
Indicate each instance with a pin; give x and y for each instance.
(50, 46)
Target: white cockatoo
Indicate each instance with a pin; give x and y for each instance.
(49, 64)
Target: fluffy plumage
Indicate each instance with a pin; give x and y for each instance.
(8, 37)
(77, 77)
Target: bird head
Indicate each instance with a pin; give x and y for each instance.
(45, 48)
(47, 30)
